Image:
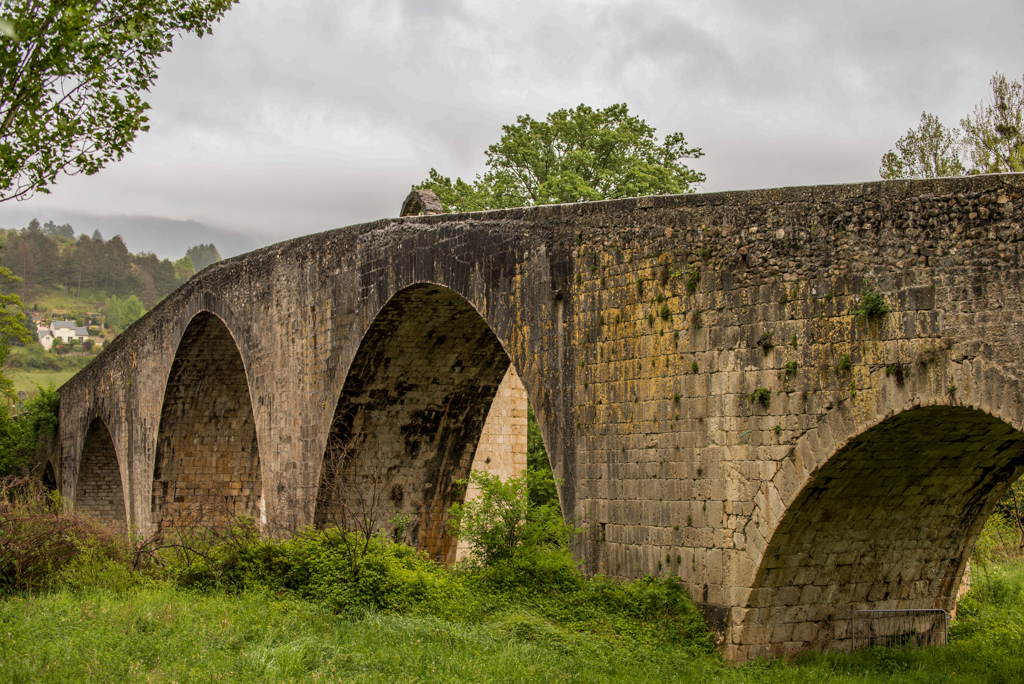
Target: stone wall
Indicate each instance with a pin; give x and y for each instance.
(696, 363)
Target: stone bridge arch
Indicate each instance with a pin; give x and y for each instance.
(407, 423)
(98, 481)
(207, 464)
(881, 508)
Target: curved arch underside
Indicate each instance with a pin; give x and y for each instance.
(207, 455)
(410, 416)
(888, 522)
(98, 491)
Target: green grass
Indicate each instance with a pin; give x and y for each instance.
(53, 298)
(28, 380)
(30, 366)
(157, 632)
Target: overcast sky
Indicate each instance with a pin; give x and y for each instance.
(299, 117)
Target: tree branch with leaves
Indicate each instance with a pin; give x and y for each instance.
(72, 78)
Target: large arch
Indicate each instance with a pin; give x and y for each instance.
(888, 522)
(207, 464)
(98, 490)
(410, 416)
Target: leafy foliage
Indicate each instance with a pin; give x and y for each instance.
(72, 75)
(574, 155)
(542, 485)
(992, 139)
(201, 256)
(43, 259)
(502, 524)
(122, 313)
(21, 437)
(871, 304)
(930, 151)
(994, 135)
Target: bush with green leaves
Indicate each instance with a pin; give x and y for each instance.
(21, 437)
(871, 304)
(503, 524)
(542, 487)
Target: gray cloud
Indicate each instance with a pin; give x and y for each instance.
(297, 118)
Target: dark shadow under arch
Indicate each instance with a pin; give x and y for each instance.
(888, 522)
(410, 415)
(49, 477)
(207, 467)
(98, 490)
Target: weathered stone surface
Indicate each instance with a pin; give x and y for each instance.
(714, 407)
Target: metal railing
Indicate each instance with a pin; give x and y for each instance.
(907, 627)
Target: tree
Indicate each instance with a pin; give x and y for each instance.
(992, 139)
(12, 323)
(183, 269)
(930, 151)
(72, 75)
(202, 256)
(131, 311)
(50, 229)
(574, 155)
(994, 136)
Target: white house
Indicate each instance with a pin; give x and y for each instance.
(63, 332)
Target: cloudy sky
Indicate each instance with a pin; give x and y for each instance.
(298, 117)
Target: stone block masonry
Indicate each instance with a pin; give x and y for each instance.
(703, 382)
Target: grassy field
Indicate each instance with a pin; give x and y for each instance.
(28, 367)
(54, 298)
(156, 632)
(28, 380)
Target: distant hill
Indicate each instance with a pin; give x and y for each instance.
(167, 238)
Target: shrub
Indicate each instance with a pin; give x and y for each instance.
(692, 278)
(503, 524)
(19, 439)
(763, 396)
(38, 540)
(871, 305)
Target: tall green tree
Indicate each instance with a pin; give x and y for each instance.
(573, 155)
(72, 78)
(929, 151)
(994, 135)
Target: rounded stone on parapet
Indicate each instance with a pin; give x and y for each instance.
(421, 201)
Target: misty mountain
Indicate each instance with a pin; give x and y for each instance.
(167, 238)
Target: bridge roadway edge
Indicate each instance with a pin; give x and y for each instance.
(671, 471)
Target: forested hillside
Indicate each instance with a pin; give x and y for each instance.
(52, 261)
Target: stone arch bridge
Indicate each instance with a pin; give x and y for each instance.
(717, 410)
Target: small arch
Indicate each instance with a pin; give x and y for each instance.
(409, 419)
(49, 477)
(207, 465)
(98, 491)
(887, 522)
